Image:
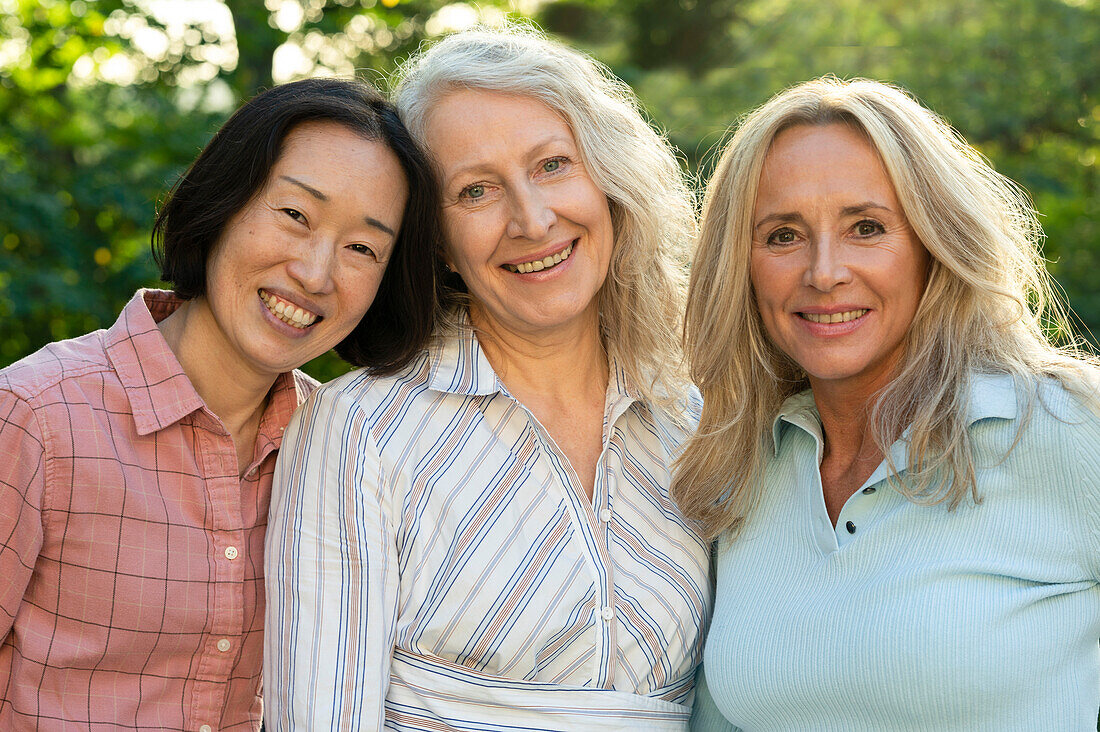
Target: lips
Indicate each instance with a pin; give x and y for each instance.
(830, 318)
(537, 265)
(287, 311)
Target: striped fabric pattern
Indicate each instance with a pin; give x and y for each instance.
(432, 562)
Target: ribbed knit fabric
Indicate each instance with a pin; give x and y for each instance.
(910, 617)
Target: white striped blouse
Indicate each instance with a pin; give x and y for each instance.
(432, 564)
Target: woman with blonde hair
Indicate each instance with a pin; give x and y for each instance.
(901, 467)
(485, 540)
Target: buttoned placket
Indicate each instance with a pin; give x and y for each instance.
(861, 509)
(218, 456)
(591, 521)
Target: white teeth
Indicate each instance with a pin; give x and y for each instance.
(287, 312)
(540, 264)
(834, 317)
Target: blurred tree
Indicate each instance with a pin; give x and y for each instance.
(1016, 77)
(103, 102)
(83, 163)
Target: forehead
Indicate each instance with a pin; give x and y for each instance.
(479, 123)
(321, 136)
(819, 160)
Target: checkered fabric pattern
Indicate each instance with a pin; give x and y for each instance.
(131, 551)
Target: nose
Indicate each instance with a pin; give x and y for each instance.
(827, 267)
(531, 213)
(312, 263)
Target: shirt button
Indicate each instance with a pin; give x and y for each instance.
(851, 527)
(231, 552)
(206, 728)
(252, 471)
(605, 515)
(224, 645)
(869, 490)
(607, 613)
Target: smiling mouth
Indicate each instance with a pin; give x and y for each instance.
(287, 311)
(829, 318)
(551, 260)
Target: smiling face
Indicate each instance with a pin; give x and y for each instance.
(296, 268)
(836, 269)
(525, 226)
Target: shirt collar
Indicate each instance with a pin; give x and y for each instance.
(159, 391)
(458, 365)
(992, 396)
(287, 393)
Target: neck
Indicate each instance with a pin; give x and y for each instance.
(559, 365)
(845, 409)
(231, 390)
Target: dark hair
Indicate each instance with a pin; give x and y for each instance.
(234, 166)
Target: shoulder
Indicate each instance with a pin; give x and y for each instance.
(42, 372)
(369, 396)
(1059, 420)
(678, 407)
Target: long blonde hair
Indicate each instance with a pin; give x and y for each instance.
(652, 208)
(988, 306)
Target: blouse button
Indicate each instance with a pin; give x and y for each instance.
(224, 645)
(869, 490)
(605, 515)
(231, 552)
(607, 613)
(851, 527)
(206, 728)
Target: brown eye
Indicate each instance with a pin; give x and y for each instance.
(783, 236)
(869, 228)
(294, 214)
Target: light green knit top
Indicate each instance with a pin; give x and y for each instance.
(911, 617)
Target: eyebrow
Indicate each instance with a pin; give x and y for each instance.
(308, 189)
(796, 217)
(482, 167)
(371, 221)
(778, 218)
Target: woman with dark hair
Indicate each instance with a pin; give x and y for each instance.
(136, 462)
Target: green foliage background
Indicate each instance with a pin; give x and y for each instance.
(85, 155)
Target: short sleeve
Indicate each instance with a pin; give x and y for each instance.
(331, 574)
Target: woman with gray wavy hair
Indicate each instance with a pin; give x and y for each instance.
(902, 469)
(486, 540)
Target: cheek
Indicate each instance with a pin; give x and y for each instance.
(765, 278)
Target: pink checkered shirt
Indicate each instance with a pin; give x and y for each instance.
(131, 552)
